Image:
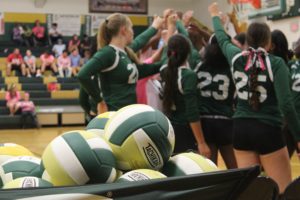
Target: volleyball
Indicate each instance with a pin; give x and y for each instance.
(78, 158)
(18, 167)
(97, 124)
(140, 175)
(188, 163)
(27, 182)
(140, 137)
(10, 150)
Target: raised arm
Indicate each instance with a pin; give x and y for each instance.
(141, 40)
(228, 49)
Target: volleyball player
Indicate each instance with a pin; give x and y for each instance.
(262, 84)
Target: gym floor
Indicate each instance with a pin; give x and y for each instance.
(36, 141)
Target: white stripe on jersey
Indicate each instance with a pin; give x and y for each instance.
(116, 61)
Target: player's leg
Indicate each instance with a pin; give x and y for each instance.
(228, 156)
(23, 69)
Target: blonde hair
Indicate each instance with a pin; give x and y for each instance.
(110, 28)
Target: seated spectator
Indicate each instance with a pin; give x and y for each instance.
(48, 61)
(38, 33)
(75, 61)
(64, 65)
(12, 97)
(85, 44)
(58, 48)
(87, 57)
(30, 63)
(54, 33)
(17, 34)
(15, 62)
(27, 36)
(74, 43)
(27, 108)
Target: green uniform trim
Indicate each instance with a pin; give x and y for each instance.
(276, 98)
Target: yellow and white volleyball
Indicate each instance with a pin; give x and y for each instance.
(140, 175)
(140, 137)
(27, 182)
(10, 150)
(78, 158)
(18, 167)
(97, 124)
(188, 163)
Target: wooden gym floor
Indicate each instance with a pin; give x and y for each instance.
(36, 141)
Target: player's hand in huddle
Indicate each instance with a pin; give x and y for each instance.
(157, 22)
(172, 19)
(214, 9)
(204, 150)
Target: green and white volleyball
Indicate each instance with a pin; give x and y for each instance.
(78, 158)
(10, 150)
(188, 163)
(97, 124)
(140, 137)
(140, 175)
(18, 167)
(27, 182)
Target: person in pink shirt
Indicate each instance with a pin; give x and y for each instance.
(27, 108)
(12, 97)
(15, 62)
(38, 33)
(26, 105)
(74, 43)
(48, 61)
(64, 64)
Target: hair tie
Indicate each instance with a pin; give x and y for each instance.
(106, 21)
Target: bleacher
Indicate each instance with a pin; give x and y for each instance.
(57, 108)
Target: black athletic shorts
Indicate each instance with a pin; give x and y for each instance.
(15, 67)
(217, 131)
(184, 138)
(254, 135)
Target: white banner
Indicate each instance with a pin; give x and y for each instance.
(68, 24)
(2, 31)
(96, 21)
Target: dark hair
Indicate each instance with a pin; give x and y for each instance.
(178, 50)
(241, 38)
(258, 35)
(54, 24)
(65, 51)
(213, 55)
(280, 45)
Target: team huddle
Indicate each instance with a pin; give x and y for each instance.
(229, 98)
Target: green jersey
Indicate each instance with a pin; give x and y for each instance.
(216, 90)
(295, 76)
(118, 74)
(185, 109)
(274, 85)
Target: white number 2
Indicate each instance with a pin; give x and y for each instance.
(222, 94)
(242, 80)
(296, 83)
(133, 77)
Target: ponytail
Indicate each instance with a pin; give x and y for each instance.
(178, 51)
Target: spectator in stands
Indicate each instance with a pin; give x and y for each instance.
(17, 34)
(12, 97)
(15, 62)
(54, 33)
(27, 36)
(30, 63)
(38, 33)
(58, 48)
(75, 61)
(27, 108)
(64, 65)
(48, 61)
(74, 43)
(87, 57)
(85, 44)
